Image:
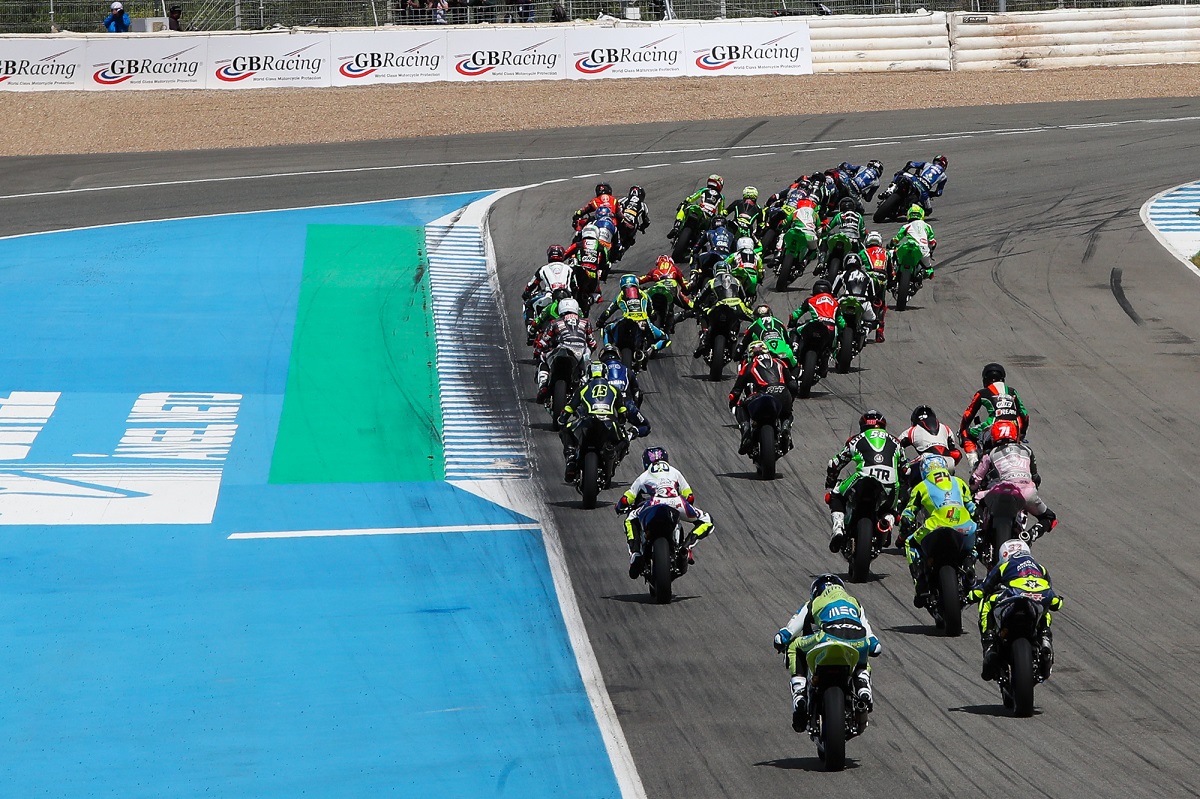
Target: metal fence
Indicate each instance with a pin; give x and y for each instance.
(84, 16)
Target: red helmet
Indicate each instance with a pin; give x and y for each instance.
(555, 252)
(1005, 432)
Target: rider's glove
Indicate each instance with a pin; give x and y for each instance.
(732, 401)
(780, 644)
(563, 418)
(526, 294)
(973, 596)
(830, 481)
(642, 227)
(642, 430)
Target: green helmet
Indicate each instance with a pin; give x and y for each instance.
(916, 212)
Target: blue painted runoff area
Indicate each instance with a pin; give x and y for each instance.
(144, 653)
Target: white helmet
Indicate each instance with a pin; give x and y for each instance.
(745, 243)
(874, 239)
(569, 305)
(1011, 548)
(590, 232)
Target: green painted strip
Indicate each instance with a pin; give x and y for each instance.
(361, 404)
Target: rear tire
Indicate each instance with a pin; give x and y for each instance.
(951, 606)
(809, 375)
(627, 357)
(1001, 531)
(887, 208)
(766, 451)
(845, 352)
(716, 358)
(860, 565)
(589, 479)
(785, 272)
(1022, 677)
(682, 242)
(661, 571)
(833, 727)
(902, 284)
(558, 402)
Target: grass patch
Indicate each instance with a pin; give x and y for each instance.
(1196, 259)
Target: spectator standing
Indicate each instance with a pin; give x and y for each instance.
(117, 21)
(439, 12)
(173, 16)
(559, 13)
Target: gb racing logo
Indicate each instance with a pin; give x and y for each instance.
(243, 66)
(601, 59)
(120, 70)
(361, 65)
(721, 56)
(483, 61)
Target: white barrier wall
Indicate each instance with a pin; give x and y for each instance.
(880, 43)
(1076, 38)
(398, 55)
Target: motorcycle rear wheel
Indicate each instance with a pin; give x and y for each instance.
(833, 728)
(951, 606)
(716, 358)
(766, 451)
(887, 208)
(809, 375)
(559, 401)
(902, 284)
(860, 562)
(589, 479)
(845, 349)
(660, 571)
(785, 272)
(682, 242)
(1022, 677)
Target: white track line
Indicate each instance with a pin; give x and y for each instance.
(461, 528)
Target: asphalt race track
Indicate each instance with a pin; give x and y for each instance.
(1043, 264)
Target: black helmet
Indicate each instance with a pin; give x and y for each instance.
(561, 293)
(993, 373)
(555, 252)
(851, 262)
(718, 221)
(603, 188)
(822, 582)
(924, 416)
(871, 420)
(654, 455)
(637, 191)
(940, 160)
(846, 204)
(822, 287)
(610, 353)
(762, 311)
(875, 164)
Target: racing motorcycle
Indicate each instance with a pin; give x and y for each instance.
(696, 219)
(896, 198)
(1001, 517)
(631, 340)
(812, 344)
(794, 257)
(664, 550)
(834, 714)
(907, 272)
(662, 294)
(852, 336)
(948, 570)
(721, 339)
(763, 411)
(867, 531)
(1019, 619)
(602, 444)
(566, 368)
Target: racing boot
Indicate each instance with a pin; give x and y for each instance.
(838, 521)
(991, 657)
(530, 334)
(572, 471)
(543, 392)
(1046, 650)
(747, 439)
(635, 565)
(785, 436)
(864, 698)
(799, 702)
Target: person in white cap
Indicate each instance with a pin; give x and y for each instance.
(118, 20)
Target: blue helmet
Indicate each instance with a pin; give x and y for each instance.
(822, 582)
(628, 280)
(653, 455)
(931, 463)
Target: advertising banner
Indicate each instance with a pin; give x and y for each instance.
(507, 52)
(263, 61)
(393, 56)
(41, 64)
(146, 62)
(625, 52)
(779, 48)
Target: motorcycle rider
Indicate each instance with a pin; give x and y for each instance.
(714, 246)
(930, 438)
(555, 274)
(746, 265)
(996, 400)
(570, 330)
(873, 451)
(667, 275)
(801, 214)
(620, 376)
(599, 400)
(744, 214)
(829, 613)
(930, 178)
(658, 475)
(603, 199)
(875, 259)
(549, 313)
(634, 214)
(1016, 574)
(845, 231)
(634, 305)
(711, 193)
(863, 181)
(853, 281)
(1011, 461)
(821, 306)
(603, 242)
(946, 502)
(765, 327)
(762, 378)
(920, 233)
(722, 289)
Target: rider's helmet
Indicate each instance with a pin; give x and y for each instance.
(940, 160)
(756, 349)
(993, 373)
(602, 189)
(750, 193)
(603, 212)
(932, 463)
(762, 311)
(875, 164)
(664, 262)
(936, 473)
(628, 280)
(589, 231)
(556, 252)
(871, 420)
(923, 415)
(847, 204)
(597, 371)
(560, 293)
(722, 268)
(653, 455)
(637, 191)
(1012, 548)
(764, 357)
(609, 353)
(569, 305)
(745, 243)
(822, 582)
(851, 262)
(915, 212)
(874, 239)
(1005, 431)
(715, 182)
(718, 222)
(821, 287)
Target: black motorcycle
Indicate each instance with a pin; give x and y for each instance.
(763, 411)
(867, 501)
(948, 570)
(602, 444)
(721, 339)
(812, 344)
(1018, 621)
(1001, 517)
(894, 200)
(629, 338)
(566, 368)
(664, 550)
